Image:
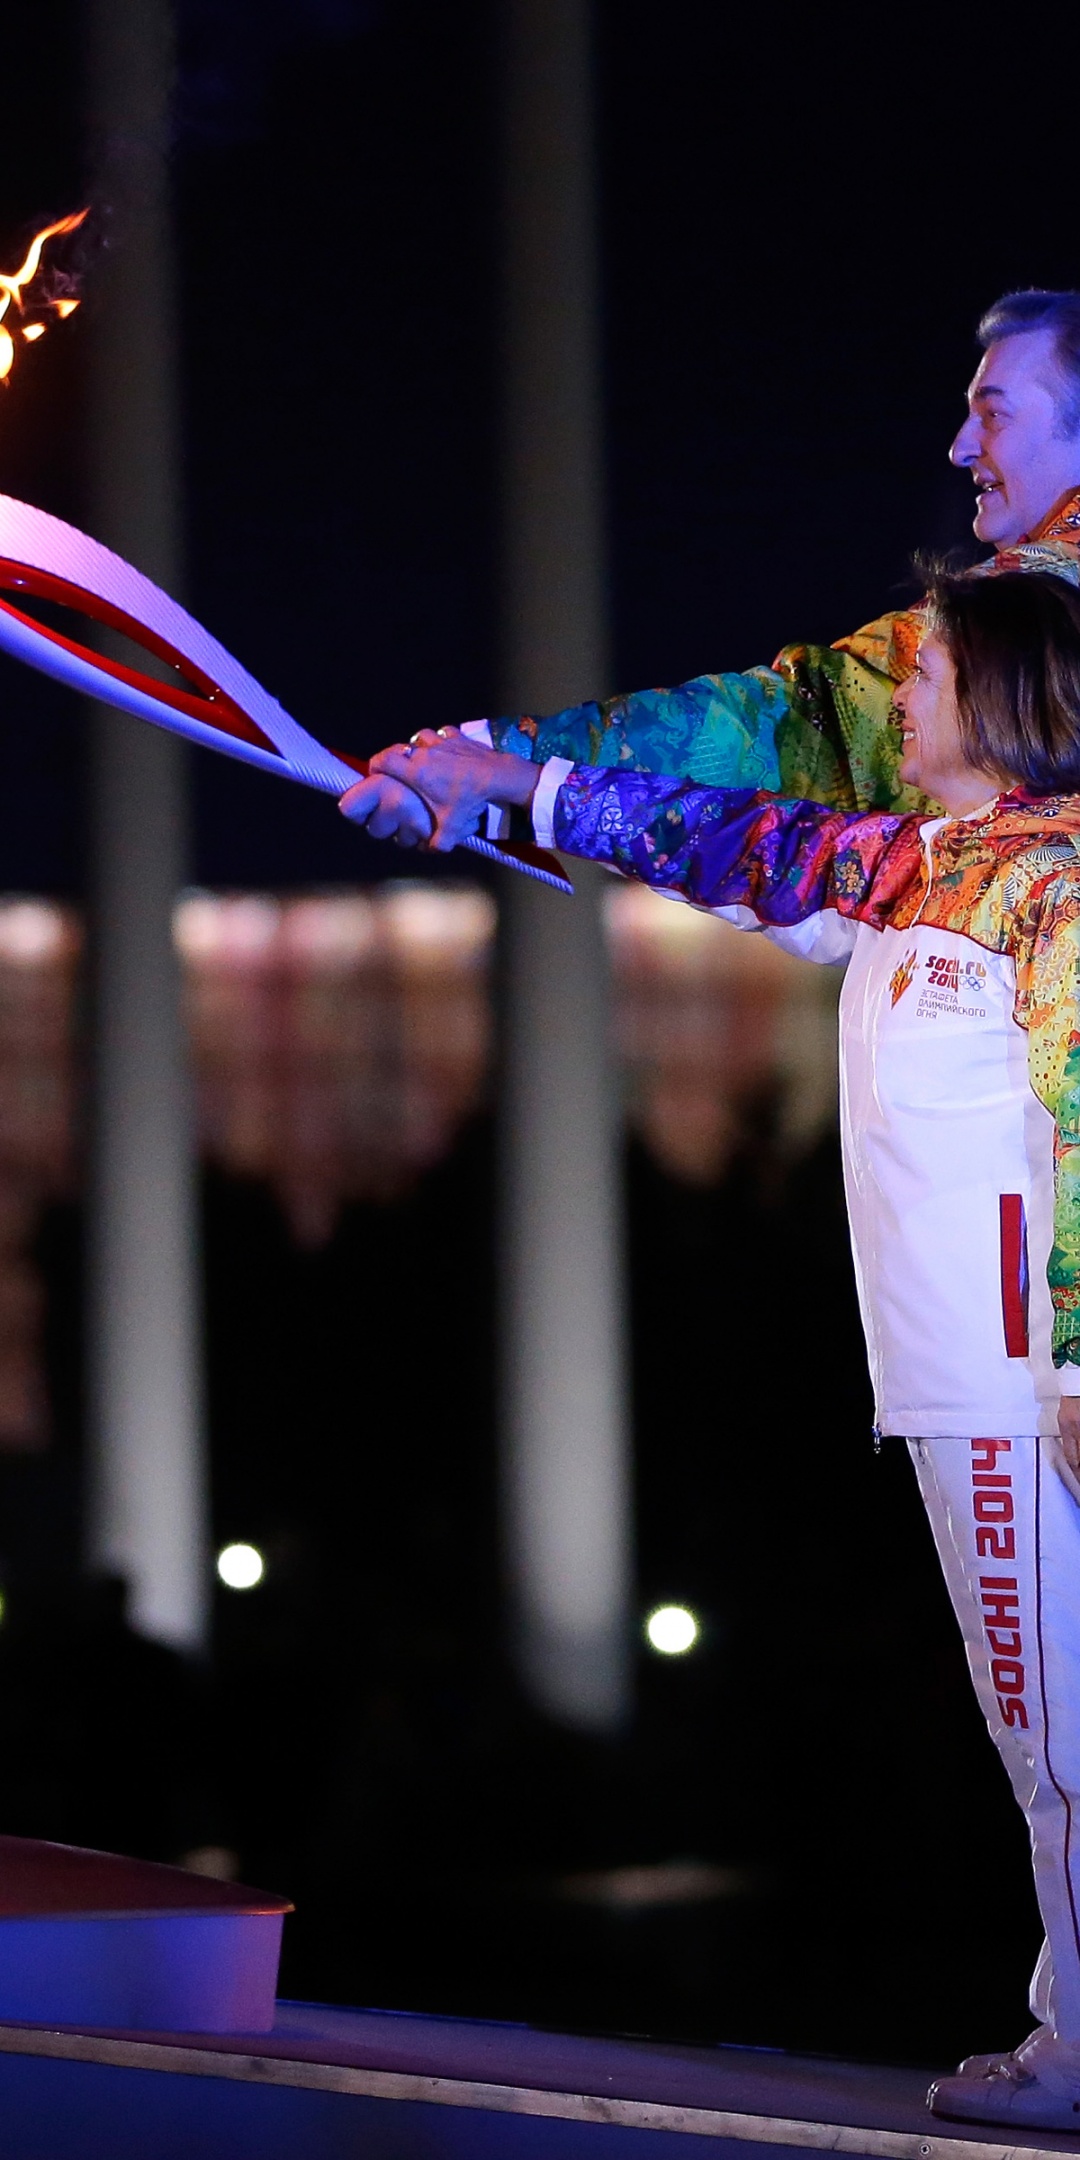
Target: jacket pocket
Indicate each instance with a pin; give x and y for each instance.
(1014, 1274)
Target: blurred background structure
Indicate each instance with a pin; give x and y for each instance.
(145, 1499)
(563, 1402)
(789, 1835)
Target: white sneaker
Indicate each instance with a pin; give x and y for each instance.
(978, 2066)
(1036, 2084)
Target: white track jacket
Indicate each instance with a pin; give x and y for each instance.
(959, 1061)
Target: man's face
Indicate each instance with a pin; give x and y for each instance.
(1011, 441)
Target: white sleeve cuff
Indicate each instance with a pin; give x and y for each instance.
(1068, 1379)
(496, 819)
(551, 779)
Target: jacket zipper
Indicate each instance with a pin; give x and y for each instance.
(926, 838)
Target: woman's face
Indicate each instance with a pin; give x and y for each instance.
(934, 760)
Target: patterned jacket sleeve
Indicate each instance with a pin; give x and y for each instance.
(723, 847)
(816, 725)
(1048, 1006)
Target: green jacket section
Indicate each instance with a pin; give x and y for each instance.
(818, 724)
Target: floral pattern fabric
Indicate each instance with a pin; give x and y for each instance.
(818, 724)
(1009, 879)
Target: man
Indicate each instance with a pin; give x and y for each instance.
(818, 723)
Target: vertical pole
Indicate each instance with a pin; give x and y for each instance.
(146, 1515)
(566, 1474)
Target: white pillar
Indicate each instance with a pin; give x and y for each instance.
(146, 1499)
(566, 1471)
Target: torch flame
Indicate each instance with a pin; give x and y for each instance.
(12, 283)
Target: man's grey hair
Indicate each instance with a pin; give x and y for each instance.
(1039, 310)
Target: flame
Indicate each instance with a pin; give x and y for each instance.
(12, 283)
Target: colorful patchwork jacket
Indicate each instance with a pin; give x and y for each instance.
(1004, 882)
(817, 724)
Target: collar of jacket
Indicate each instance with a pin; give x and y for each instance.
(1053, 546)
(1061, 523)
(1016, 816)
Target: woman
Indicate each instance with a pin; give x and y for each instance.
(960, 1102)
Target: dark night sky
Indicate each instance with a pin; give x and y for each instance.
(801, 224)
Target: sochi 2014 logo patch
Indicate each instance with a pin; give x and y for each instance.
(954, 989)
(902, 977)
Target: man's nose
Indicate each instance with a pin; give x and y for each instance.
(968, 443)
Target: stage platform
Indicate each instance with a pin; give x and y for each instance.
(382, 2085)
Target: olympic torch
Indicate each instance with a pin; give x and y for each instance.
(208, 697)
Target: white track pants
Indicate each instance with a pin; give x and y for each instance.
(1006, 1520)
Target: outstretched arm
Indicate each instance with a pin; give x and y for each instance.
(783, 859)
(818, 725)
(717, 847)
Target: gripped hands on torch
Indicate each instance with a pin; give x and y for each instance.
(433, 792)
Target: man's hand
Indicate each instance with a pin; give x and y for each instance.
(389, 810)
(457, 778)
(1069, 1429)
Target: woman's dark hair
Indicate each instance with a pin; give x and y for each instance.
(1014, 641)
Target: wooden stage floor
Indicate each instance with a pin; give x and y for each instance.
(382, 2085)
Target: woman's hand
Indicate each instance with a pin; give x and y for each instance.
(457, 778)
(389, 810)
(1069, 1429)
